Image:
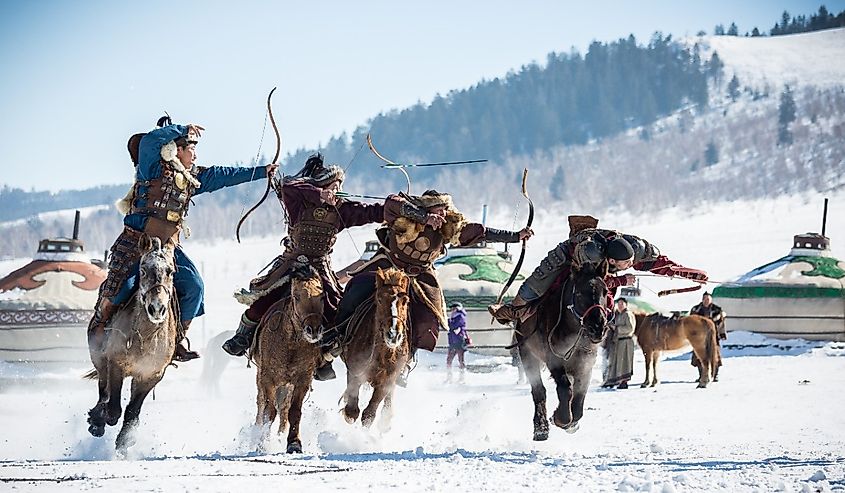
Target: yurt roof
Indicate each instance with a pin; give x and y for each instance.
(808, 271)
(475, 275)
(52, 284)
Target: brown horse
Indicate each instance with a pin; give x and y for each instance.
(286, 356)
(564, 333)
(140, 344)
(379, 348)
(656, 333)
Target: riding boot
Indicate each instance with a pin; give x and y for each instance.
(183, 353)
(240, 343)
(97, 327)
(508, 312)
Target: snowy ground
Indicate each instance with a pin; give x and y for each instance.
(773, 422)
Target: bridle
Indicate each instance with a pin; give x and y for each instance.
(608, 313)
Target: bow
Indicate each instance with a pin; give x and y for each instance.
(269, 178)
(518, 265)
(390, 164)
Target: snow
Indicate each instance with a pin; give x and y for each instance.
(797, 59)
(773, 422)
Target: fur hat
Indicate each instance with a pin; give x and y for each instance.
(579, 223)
(317, 173)
(432, 198)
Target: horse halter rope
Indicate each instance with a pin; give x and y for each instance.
(608, 313)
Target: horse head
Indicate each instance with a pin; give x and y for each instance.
(307, 293)
(156, 269)
(392, 292)
(589, 303)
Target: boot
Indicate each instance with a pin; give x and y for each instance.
(240, 343)
(508, 312)
(324, 372)
(182, 353)
(97, 327)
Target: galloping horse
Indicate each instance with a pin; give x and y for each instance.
(380, 347)
(563, 333)
(140, 345)
(656, 333)
(286, 355)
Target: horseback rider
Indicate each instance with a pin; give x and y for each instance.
(587, 244)
(315, 217)
(166, 178)
(416, 232)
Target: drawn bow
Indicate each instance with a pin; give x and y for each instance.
(518, 265)
(269, 178)
(390, 164)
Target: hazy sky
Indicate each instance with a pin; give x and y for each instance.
(79, 77)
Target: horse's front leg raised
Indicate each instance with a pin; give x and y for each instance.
(140, 389)
(350, 396)
(562, 417)
(538, 392)
(97, 414)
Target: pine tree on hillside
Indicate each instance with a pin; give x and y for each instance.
(715, 67)
(733, 88)
(711, 154)
(786, 115)
(733, 30)
(755, 32)
(719, 30)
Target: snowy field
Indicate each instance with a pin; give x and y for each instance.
(775, 421)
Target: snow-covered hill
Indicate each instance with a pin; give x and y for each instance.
(814, 58)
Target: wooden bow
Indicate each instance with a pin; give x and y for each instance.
(518, 265)
(390, 164)
(269, 178)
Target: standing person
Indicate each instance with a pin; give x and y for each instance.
(714, 312)
(315, 217)
(166, 179)
(416, 231)
(621, 359)
(458, 340)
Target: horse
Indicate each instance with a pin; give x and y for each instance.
(656, 333)
(380, 347)
(140, 345)
(286, 354)
(563, 333)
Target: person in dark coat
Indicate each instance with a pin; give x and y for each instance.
(620, 359)
(315, 217)
(166, 179)
(714, 312)
(458, 340)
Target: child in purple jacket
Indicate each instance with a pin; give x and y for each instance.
(458, 340)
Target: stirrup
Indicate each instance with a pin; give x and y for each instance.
(325, 372)
(235, 346)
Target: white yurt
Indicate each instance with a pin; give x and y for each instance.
(801, 295)
(45, 305)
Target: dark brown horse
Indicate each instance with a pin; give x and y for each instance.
(656, 333)
(379, 348)
(286, 356)
(140, 345)
(563, 333)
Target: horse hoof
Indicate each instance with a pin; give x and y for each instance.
(97, 430)
(560, 423)
(541, 435)
(367, 420)
(112, 419)
(644, 385)
(350, 415)
(295, 447)
(701, 386)
(572, 427)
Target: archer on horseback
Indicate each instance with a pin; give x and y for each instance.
(166, 178)
(587, 244)
(416, 232)
(315, 215)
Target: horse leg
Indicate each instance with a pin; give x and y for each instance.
(281, 405)
(647, 356)
(369, 414)
(579, 395)
(655, 357)
(140, 388)
(97, 414)
(562, 417)
(538, 393)
(295, 417)
(386, 413)
(113, 409)
(350, 396)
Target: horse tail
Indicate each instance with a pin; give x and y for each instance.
(91, 375)
(710, 346)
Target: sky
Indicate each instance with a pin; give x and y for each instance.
(78, 78)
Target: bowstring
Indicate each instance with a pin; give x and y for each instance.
(339, 215)
(255, 161)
